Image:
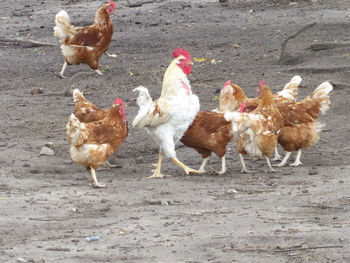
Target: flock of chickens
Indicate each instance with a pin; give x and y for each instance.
(257, 124)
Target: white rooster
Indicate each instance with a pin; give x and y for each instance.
(167, 118)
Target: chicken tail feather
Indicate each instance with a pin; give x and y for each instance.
(78, 96)
(290, 90)
(76, 131)
(321, 94)
(63, 26)
(144, 101)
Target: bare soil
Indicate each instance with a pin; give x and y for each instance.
(47, 204)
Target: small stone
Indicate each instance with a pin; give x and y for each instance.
(164, 202)
(50, 145)
(313, 171)
(304, 191)
(21, 260)
(47, 151)
(231, 191)
(36, 91)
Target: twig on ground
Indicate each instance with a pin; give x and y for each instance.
(295, 34)
(27, 43)
(313, 70)
(322, 46)
(288, 249)
(58, 249)
(139, 3)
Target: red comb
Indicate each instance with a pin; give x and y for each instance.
(178, 52)
(241, 109)
(261, 83)
(112, 4)
(227, 83)
(118, 101)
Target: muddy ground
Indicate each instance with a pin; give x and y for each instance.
(47, 204)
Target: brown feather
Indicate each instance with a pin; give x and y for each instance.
(208, 133)
(90, 42)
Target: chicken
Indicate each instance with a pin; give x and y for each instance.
(85, 44)
(259, 129)
(85, 110)
(91, 144)
(208, 133)
(232, 96)
(301, 128)
(167, 118)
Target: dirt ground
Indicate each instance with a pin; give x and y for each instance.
(47, 204)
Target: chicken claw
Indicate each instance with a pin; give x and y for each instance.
(187, 169)
(158, 174)
(201, 169)
(95, 183)
(63, 69)
(98, 72)
(111, 55)
(244, 168)
(158, 165)
(277, 155)
(297, 161)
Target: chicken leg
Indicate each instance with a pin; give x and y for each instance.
(94, 179)
(285, 159)
(185, 167)
(223, 166)
(156, 172)
(269, 164)
(277, 155)
(204, 163)
(111, 55)
(63, 69)
(244, 168)
(297, 161)
(98, 72)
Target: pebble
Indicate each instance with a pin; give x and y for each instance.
(92, 238)
(231, 191)
(47, 151)
(313, 171)
(35, 91)
(164, 202)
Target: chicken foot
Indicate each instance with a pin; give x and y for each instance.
(285, 159)
(201, 169)
(223, 166)
(63, 69)
(111, 55)
(297, 161)
(94, 179)
(185, 167)
(269, 164)
(277, 155)
(158, 165)
(244, 168)
(98, 72)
